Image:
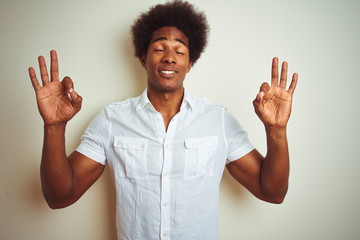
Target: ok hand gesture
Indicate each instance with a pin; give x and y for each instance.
(273, 104)
(57, 101)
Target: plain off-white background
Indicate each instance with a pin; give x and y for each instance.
(319, 39)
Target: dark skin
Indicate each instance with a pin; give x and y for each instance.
(267, 178)
(167, 63)
(65, 179)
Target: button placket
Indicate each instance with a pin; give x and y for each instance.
(165, 192)
(165, 180)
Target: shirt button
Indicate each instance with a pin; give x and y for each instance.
(164, 234)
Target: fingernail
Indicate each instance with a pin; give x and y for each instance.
(71, 90)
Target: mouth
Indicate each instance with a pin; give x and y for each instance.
(167, 73)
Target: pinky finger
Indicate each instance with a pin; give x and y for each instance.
(33, 79)
(293, 83)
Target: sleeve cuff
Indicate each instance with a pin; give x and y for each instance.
(91, 154)
(239, 153)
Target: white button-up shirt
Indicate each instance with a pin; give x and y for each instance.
(167, 182)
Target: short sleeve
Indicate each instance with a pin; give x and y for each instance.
(95, 137)
(236, 137)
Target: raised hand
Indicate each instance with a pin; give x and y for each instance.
(273, 104)
(57, 101)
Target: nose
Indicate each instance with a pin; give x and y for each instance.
(169, 57)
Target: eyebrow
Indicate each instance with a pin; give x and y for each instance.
(165, 38)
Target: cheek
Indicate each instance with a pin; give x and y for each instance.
(148, 65)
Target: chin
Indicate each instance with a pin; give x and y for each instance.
(168, 87)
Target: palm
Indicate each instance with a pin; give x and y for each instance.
(54, 103)
(273, 104)
(276, 107)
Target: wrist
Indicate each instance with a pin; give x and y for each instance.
(55, 127)
(276, 131)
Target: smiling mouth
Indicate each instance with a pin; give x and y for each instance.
(167, 71)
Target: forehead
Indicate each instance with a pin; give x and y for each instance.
(171, 34)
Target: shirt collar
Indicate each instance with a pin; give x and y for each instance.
(188, 98)
(144, 100)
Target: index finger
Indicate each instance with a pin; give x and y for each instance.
(33, 78)
(274, 72)
(54, 68)
(293, 83)
(283, 75)
(43, 70)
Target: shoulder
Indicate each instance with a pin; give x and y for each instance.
(205, 103)
(210, 103)
(122, 105)
(115, 109)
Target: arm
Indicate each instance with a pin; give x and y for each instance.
(64, 179)
(267, 177)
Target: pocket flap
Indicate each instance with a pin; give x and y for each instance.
(204, 142)
(129, 142)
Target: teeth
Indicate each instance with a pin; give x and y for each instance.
(168, 72)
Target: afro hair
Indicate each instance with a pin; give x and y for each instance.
(177, 13)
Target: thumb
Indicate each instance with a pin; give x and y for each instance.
(259, 98)
(76, 100)
(258, 102)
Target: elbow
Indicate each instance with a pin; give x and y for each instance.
(275, 196)
(57, 204)
(58, 199)
(278, 200)
(54, 205)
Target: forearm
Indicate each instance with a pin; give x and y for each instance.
(275, 167)
(56, 171)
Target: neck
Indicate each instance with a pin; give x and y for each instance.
(167, 103)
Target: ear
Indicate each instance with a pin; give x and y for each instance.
(143, 61)
(189, 67)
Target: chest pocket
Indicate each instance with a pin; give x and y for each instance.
(131, 153)
(200, 157)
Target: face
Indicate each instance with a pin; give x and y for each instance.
(167, 60)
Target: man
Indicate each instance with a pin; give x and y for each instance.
(166, 148)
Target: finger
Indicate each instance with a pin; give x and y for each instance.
(68, 84)
(33, 79)
(274, 72)
(260, 96)
(283, 76)
(76, 100)
(43, 70)
(54, 68)
(264, 87)
(257, 103)
(293, 83)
